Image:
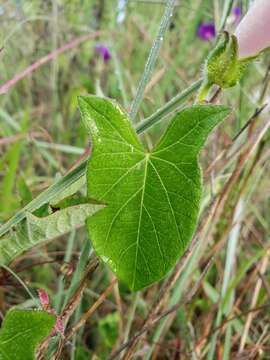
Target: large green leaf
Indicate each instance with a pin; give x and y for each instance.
(76, 174)
(22, 331)
(153, 197)
(34, 230)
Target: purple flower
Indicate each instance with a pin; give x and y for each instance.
(206, 31)
(104, 52)
(237, 13)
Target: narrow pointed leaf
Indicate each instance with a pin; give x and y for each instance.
(22, 331)
(34, 230)
(153, 197)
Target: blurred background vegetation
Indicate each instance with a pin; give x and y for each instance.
(42, 137)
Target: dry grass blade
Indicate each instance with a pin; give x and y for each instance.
(157, 318)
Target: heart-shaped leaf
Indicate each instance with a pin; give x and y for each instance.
(22, 331)
(153, 197)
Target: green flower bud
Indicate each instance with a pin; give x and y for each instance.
(222, 66)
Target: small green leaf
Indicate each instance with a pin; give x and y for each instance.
(35, 230)
(22, 331)
(153, 197)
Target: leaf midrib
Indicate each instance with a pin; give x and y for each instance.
(140, 218)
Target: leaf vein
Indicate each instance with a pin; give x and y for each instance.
(169, 201)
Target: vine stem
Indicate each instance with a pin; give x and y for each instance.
(152, 57)
(170, 106)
